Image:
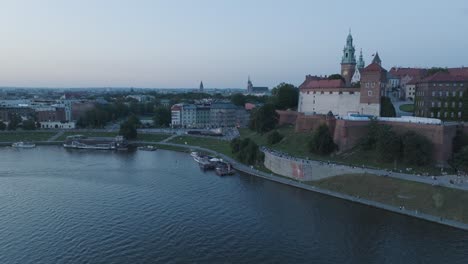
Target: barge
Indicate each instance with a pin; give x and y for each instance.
(95, 143)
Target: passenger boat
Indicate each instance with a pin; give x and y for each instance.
(82, 142)
(147, 148)
(23, 145)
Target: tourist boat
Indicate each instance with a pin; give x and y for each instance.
(224, 168)
(147, 148)
(81, 142)
(23, 145)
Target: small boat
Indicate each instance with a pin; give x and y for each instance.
(147, 148)
(23, 145)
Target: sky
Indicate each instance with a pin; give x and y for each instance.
(178, 43)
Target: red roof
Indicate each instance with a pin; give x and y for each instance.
(373, 67)
(317, 84)
(412, 72)
(444, 77)
(463, 71)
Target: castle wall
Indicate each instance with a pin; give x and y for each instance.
(321, 102)
(370, 109)
(287, 117)
(349, 133)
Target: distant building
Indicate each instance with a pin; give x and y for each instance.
(256, 90)
(165, 102)
(405, 76)
(141, 98)
(51, 114)
(201, 87)
(208, 115)
(441, 96)
(57, 125)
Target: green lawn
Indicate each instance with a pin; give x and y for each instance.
(15, 136)
(152, 137)
(88, 134)
(407, 108)
(217, 145)
(434, 200)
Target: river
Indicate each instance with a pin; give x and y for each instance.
(74, 206)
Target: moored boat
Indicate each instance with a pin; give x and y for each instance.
(23, 145)
(147, 148)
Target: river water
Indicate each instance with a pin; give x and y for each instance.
(72, 206)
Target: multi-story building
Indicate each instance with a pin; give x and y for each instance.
(208, 115)
(176, 111)
(441, 96)
(51, 114)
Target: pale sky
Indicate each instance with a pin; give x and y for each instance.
(177, 43)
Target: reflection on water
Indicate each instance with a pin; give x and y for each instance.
(75, 206)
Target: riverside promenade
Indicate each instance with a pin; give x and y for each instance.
(288, 181)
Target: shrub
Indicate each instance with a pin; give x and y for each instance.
(274, 137)
(322, 141)
(417, 150)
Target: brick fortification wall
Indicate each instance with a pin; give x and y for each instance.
(287, 117)
(349, 133)
(308, 123)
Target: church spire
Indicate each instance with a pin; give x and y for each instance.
(201, 87)
(361, 63)
(348, 51)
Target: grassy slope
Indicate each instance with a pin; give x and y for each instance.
(25, 136)
(439, 201)
(407, 108)
(295, 144)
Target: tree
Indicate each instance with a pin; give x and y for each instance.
(162, 117)
(247, 151)
(459, 141)
(238, 99)
(264, 119)
(285, 96)
(15, 120)
(274, 137)
(417, 150)
(435, 70)
(322, 141)
(386, 107)
(336, 76)
(2, 125)
(460, 160)
(128, 130)
(29, 124)
(388, 145)
(134, 120)
(370, 140)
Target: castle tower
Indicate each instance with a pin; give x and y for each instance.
(348, 62)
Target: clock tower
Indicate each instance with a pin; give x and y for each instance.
(348, 62)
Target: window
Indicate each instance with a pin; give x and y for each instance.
(460, 104)
(446, 84)
(439, 104)
(321, 92)
(433, 104)
(369, 93)
(454, 93)
(340, 92)
(447, 93)
(445, 114)
(372, 84)
(367, 85)
(440, 84)
(459, 114)
(446, 104)
(440, 93)
(308, 92)
(452, 115)
(433, 93)
(330, 92)
(432, 114)
(461, 93)
(438, 114)
(453, 104)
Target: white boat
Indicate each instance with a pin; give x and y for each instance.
(148, 148)
(23, 145)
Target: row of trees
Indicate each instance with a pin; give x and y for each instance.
(411, 148)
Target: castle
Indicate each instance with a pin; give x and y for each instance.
(357, 92)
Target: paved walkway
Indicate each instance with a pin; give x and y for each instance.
(56, 136)
(458, 182)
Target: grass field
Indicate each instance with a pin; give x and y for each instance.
(217, 145)
(88, 134)
(152, 137)
(15, 136)
(407, 108)
(434, 200)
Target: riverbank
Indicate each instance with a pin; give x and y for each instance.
(311, 187)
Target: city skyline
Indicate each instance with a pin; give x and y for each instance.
(152, 44)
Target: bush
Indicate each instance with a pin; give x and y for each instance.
(386, 107)
(128, 129)
(29, 124)
(322, 141)
(3, 126)
(264, 119)
(417, 150)
(388, 145)
(274, 137)
(460, 160)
